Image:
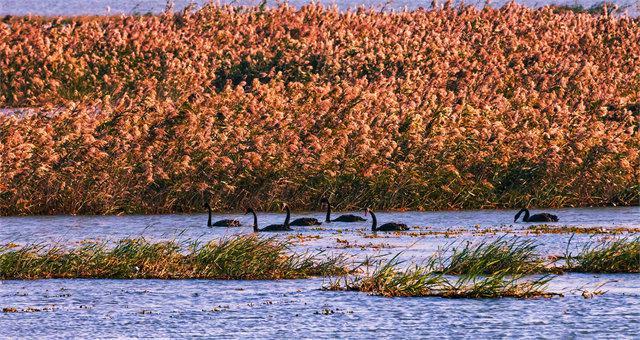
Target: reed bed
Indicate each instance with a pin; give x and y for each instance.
(388, 279)
(620, 255)
(237, 258)
(514, 256)
(429, 109)
(520, 256)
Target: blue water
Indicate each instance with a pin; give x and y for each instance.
(299, 308)
(76, 7)
(69, 228)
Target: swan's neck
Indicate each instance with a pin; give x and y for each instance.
(286, 220)
(374, 221)
(209, 220)
(328, 219)
(526, 215)
(255, 222)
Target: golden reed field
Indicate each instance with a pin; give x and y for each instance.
(430, 109)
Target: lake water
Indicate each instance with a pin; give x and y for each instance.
(76, 7)
(299, 308)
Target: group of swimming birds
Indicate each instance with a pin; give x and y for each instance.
(310, 221)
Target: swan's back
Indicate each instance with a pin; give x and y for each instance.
(349, 218)
(226, 223)
(305, 221)
(392, 226)
(543, 217)
(276, 227)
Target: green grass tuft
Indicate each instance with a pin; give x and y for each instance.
(612, 256)
(388, 279)
(513, 256)
(242, 258)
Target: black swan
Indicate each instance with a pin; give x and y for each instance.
(391, 226)
(342, 218)
(221, 223)
(273, 227)
(542, 217)
(303, 221)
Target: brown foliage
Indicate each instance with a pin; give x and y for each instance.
(452, 108)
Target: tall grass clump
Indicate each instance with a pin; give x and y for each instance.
(240, 258)
(250, 257)
(620, 255)
(499, 285)
(389, 279)
(515, 256)
(449, 108)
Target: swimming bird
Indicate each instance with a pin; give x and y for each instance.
(342, 218)
(303, 221)
(391, 226)
(221, 223)
(272, 227)
(542, 217)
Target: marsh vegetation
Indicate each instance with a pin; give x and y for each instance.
(238, 258)
(429, 109)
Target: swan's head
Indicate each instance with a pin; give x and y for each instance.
(285, 206)
(248, 210)
(207, 206)
(324, 201)
(367, 211)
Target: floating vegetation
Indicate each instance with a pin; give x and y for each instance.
(345, 244)
(242, 257)
(549, 229)
(387, 279)
(248, 105)
(28, 309)
(300, 238)
(609, 256)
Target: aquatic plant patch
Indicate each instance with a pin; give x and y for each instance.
(620, 255)
(388, 279)
(237, 258)
(518, 255)
(511, 255)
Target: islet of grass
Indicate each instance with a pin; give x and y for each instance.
(510, 255)
(520, 256)
(497, 268)
(389, 280)
(237, 258)
(621, 255)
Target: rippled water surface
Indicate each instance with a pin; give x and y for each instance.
(75, 7)
(265, 309)
(274, 309)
